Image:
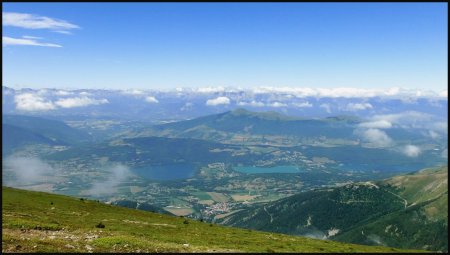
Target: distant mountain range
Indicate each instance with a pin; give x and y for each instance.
(220, 126)
(228, 137)
(408, 211)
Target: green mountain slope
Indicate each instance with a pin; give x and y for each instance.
(216, 127)
(316, 213)
(19, 131)
(407, 211)
(269, 128)
(408, 228)
(156, 151)
(14, 137)
(424, 222)
(140, 206)
(42, 222)
(421, 186)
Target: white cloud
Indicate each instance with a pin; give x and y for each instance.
(42, 92)
(358, 107)
(31, 21)
(376, 124)
(439, 126)
(392, 91)
(84, 93)
(115, 176)
(134, 92)
(327, 107)
(28, 42)
(63, 93)
(411, 151)
(277, 104)
(218, 101)
(411, 118)
(63, 32)
(252, 103)
(28, 170)
(376, 137)
(31, 37)
(346, 92)
(32, 102)
(79, 102)
(320, 92)
(151, 99)
(36, 102)
(210, 89)
(299, 92)
(433, 134)
(396, 116)
(443, 93)
(303, 105)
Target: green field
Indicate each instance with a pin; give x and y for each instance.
(201, 195)
(260, 170)
(43, 222)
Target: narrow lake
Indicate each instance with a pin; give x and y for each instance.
(268, 170)
(165, 172)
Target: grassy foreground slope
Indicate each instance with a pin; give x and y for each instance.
(43, 222)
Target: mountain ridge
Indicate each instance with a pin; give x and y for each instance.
(345, 213)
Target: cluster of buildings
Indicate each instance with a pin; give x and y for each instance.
(217, 208)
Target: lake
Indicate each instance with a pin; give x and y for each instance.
(268, 170)
(165, 172)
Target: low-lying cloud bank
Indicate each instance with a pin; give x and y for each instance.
(151, 99)
(303, 104)
(253, 103)
(32, 102)
(37, 102)
(79, 102)
(27, 171)
(358, 106)
(218, 101)
(411, 151)
(275, 104)
(433, 126)
(374, 137)
(115, 175)
(376, 124)
(349, 92)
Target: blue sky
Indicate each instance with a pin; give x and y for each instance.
(168, 45)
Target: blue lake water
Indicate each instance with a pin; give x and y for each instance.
(268, 170)
(165, 172)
